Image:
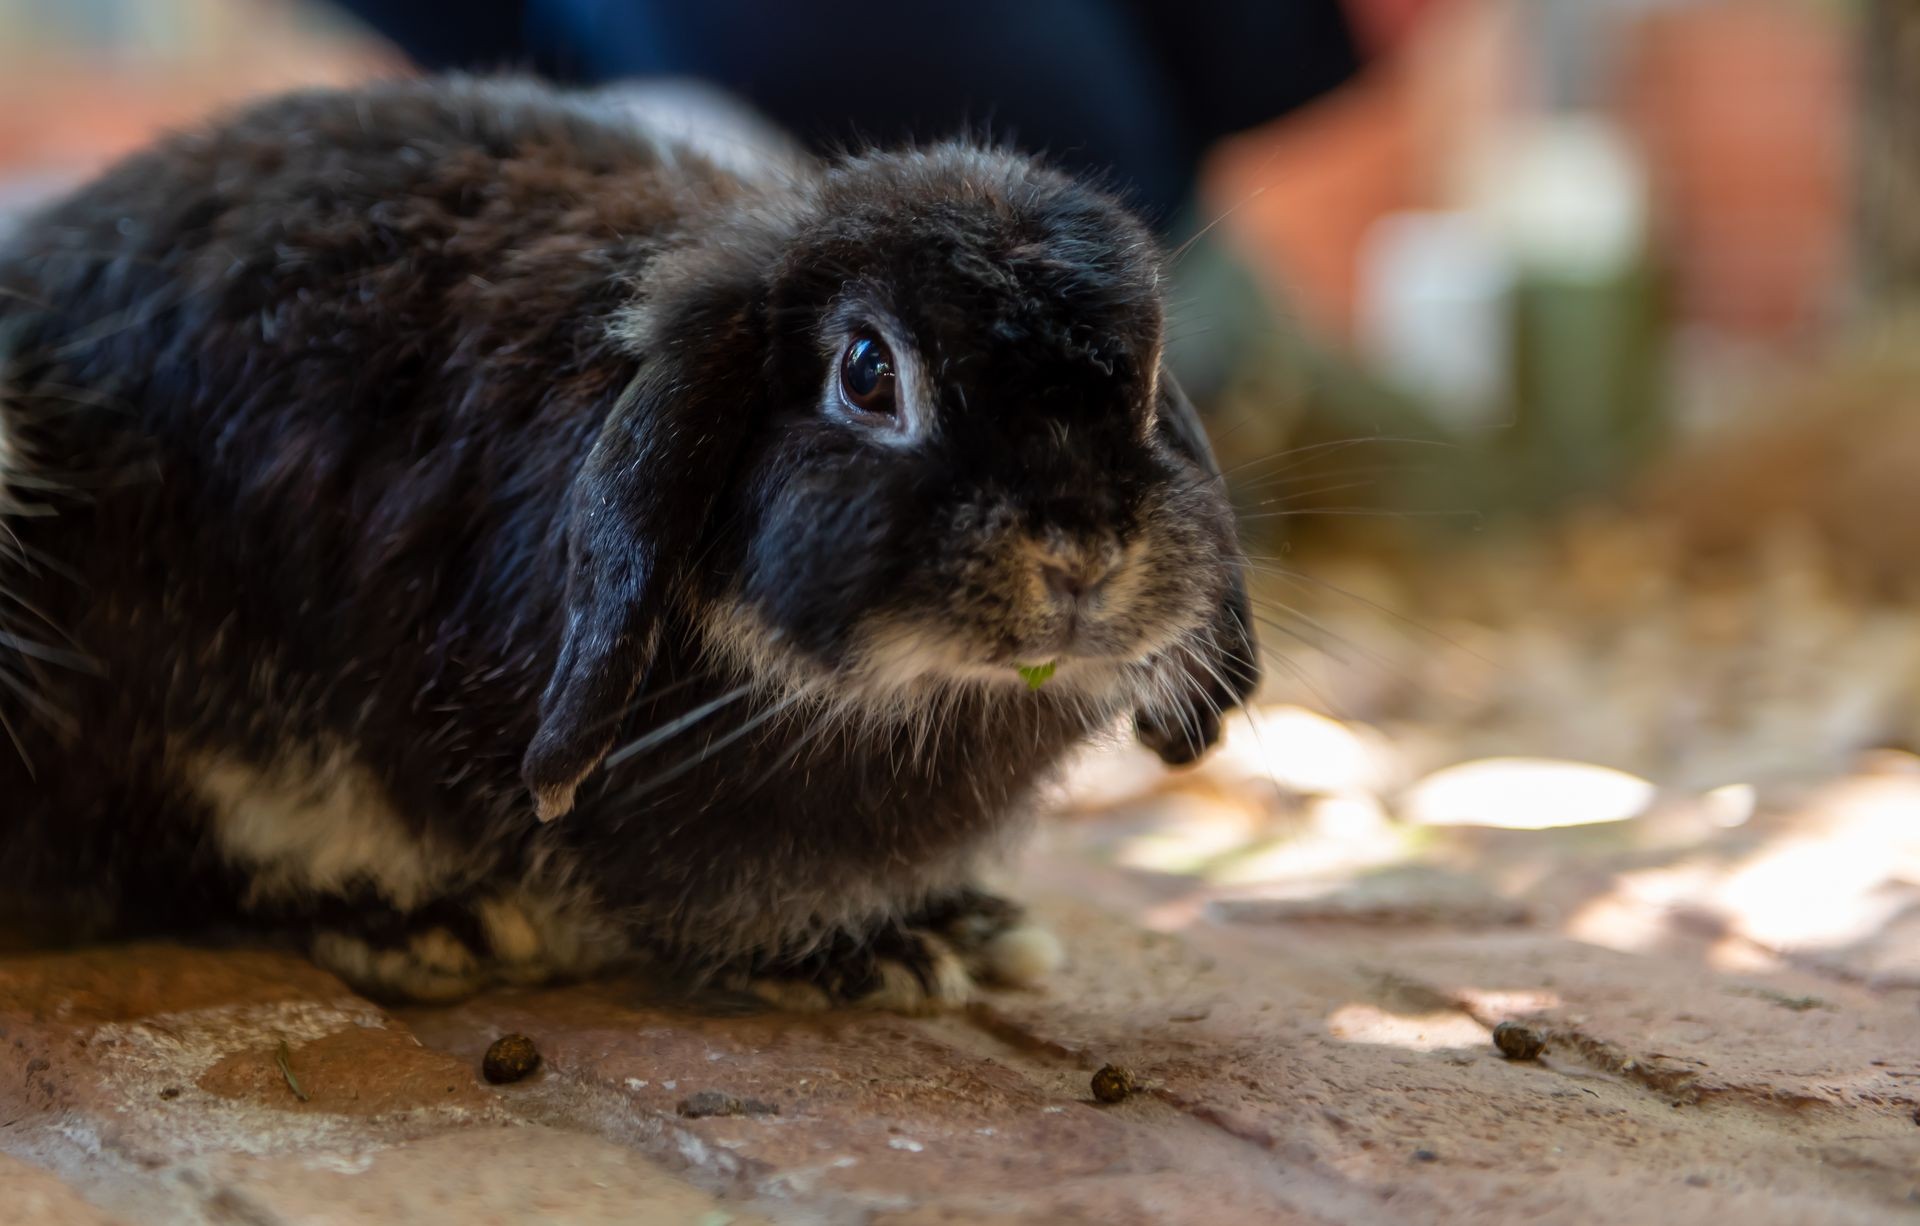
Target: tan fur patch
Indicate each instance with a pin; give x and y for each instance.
(316, 822)
(534, 937)
(509, 931)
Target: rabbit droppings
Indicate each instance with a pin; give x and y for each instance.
(451, 526)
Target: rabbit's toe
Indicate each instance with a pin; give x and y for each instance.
(430, 965)
(936, 959)
(454, 948)
(995, 940)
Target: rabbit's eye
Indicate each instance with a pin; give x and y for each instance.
(867, 377)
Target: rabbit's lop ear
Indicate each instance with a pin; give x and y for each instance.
(1228, 668)
(636, 513)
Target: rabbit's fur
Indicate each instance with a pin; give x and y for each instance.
(373, 463)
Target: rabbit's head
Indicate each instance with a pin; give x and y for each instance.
(901, 428)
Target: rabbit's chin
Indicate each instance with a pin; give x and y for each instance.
(897, 670)
(905, 659)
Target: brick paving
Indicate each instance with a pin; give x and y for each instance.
(1309, 1062)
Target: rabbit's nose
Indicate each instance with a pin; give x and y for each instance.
(1073, 580)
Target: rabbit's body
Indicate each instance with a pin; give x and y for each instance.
(351, 448)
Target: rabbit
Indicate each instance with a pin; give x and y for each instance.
(452, 528)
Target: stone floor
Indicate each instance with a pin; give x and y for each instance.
(1312, 1044)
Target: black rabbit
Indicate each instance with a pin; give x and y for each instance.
(449, 524)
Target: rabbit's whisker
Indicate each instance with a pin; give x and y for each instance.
(52, 655)
(1324, 642)
(49, 714)
(792, 754)
(1269, 566)
(641, 700)
(674, 727)
(713, 747)
(1362, 512)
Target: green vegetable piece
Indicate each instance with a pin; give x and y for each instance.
(1037, 675)
(283, 1057)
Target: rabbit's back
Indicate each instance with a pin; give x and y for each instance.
(288, 409)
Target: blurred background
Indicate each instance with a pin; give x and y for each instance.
(1557, 350)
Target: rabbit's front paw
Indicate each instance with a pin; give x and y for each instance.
(429, 965)
(452, 949)
(932, 961)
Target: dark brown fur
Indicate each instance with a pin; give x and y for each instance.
(442, 437)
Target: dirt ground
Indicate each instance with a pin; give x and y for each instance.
(1300, 951)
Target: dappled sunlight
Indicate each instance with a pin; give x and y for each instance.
(1835, 874)
(1106, 774)
(1636, 914)
(1732, 955)
(1188, 836)
(1361, 1023)
(1730, 804)
(1341, 834)
(1507, 1002)
(1525, 794)
(1838, 882)
(1305, 819)
(1304, 751)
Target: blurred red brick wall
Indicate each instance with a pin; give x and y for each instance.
(1742, 108)
(72, 97)
(1744, 113)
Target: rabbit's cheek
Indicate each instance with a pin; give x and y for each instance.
(743, 639)
(898, 656)
(1186, 565)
